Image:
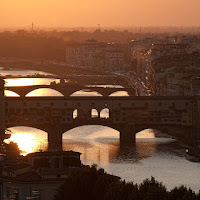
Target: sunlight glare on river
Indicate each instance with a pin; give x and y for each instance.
(29, 81)
(149, 156)
(119, 93)
(44, 92)
(85, 93)
(28, 139)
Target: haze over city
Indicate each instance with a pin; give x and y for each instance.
(52, 13)
(100, 99)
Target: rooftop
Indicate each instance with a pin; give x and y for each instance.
(53, 153)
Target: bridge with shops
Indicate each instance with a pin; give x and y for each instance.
(128, 115)
(67, 89)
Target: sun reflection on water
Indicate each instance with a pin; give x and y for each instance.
(29, 81)
(26, 142)
(44, 92)
(28, 139)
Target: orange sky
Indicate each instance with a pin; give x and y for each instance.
(104, 12)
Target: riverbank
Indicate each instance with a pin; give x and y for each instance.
(62, 69)
(180, 147)
(47, 66)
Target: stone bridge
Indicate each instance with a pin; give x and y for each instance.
(128, 115)
(67, 90)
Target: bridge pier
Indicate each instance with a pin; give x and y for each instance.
(127, 134)
(54, 139)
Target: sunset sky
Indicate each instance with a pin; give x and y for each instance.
(105, 12)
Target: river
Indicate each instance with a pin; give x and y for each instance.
(150, 156)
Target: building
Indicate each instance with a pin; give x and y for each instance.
(37, 175)
(94, 55)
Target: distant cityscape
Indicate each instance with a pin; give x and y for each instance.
(160, 72)
(167, 66)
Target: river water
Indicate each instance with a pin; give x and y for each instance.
(150, 156)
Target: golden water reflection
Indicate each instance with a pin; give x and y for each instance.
(29, 81)
(28, 139)
(105, 152)
(98, 144)
(102, 145)
(51, 92)
(85, 93)
(119, 93)
(44, 92)
(10, 93)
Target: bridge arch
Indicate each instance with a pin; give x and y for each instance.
(85, 92)
(146, 133)
(91, 132)
(28, 139)
(10, 93)
(78, 113)
(27, 128)
(105, 113)
(75, 114)
(119, 93)
(44, 92)
(94, 113)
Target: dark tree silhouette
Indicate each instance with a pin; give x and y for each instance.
(91, 183)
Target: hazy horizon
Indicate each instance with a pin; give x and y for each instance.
(88, 13)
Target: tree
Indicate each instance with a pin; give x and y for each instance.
(91, 183)
(152, 190)
(182, 193)
(86, 183)
(11, 149)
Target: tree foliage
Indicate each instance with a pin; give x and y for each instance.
(11, 149)
(51, 45)
(91, 183)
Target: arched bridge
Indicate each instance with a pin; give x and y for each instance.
(67, 90)
(128, 115)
